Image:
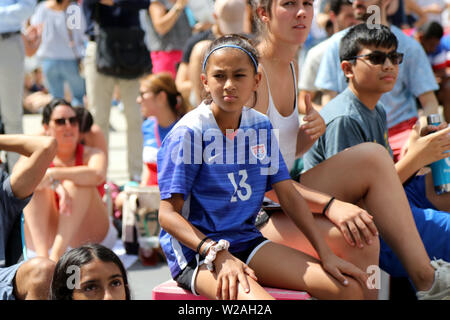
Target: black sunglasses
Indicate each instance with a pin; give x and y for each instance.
(378, 57)
(62, 121)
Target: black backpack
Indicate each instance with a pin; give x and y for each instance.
(122, 53)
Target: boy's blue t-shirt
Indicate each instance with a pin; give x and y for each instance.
(349, 122)
(415, 76)
(223, 180)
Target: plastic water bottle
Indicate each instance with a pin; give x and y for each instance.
(440, 169)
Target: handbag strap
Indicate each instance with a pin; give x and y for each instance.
(71, 40)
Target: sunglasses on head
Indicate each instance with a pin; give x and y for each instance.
(62, 121)
(378, 57)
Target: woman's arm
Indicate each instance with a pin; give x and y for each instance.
(164, 20)
(37, 152)
(91, 174)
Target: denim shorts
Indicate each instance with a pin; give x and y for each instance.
(186, 279)
(7, 276)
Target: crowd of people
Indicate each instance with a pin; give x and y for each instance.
(316, 107)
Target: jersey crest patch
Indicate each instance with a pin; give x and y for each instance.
(259, 151)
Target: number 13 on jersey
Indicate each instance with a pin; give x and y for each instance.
(242, 185)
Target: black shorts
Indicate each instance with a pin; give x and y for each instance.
(186, 278)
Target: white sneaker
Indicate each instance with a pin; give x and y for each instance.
(441, 285)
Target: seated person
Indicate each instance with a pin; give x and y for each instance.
(27, 279)
(415, 79)
(90, 133)
(68, 199)
(162, 106)
(431, 37)
(370, 61)
(102, 275)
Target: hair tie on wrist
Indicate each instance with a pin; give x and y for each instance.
(328, 205)
(200, 244)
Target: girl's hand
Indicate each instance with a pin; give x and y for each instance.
(338, 267)
(231, 271)
(315, 125)
(65, 200)
(353, 222)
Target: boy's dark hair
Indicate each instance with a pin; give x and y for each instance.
(79, 257)
(85, 119)
(335, 6)
(48, 109)
(431, 30)
(361, 36)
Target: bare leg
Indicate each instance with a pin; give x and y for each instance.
(95, 224)
(40, 221)
(206, 284)
(69, 226)
(281, 229)
(279, 266)
(366, 172)
(282, 267)
(33, 279)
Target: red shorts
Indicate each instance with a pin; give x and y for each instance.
(399, 135)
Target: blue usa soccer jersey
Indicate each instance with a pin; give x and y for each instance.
(222, 180)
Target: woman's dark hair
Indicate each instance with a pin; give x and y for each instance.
(234, 40)
(361, 36)
(48, 109)
(85, 119)
(78, 257)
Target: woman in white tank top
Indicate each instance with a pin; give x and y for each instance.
(363, 175)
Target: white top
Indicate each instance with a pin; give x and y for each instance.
(287, 126)
(55, 42)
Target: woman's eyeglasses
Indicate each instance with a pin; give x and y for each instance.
(378, 57)
(62, 121)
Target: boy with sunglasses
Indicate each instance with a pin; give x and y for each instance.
(370, 62)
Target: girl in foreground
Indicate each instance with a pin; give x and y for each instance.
(211, 194)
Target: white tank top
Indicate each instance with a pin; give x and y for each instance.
(287, 126)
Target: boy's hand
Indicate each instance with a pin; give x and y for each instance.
(353, 222)
(315, 125)
(429, 148)
(231, 271)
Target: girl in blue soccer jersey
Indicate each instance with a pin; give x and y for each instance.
(213, 170)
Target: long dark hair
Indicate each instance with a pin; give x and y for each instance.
(48, 109)
(79, 257)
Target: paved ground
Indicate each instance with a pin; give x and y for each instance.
(142, 278)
